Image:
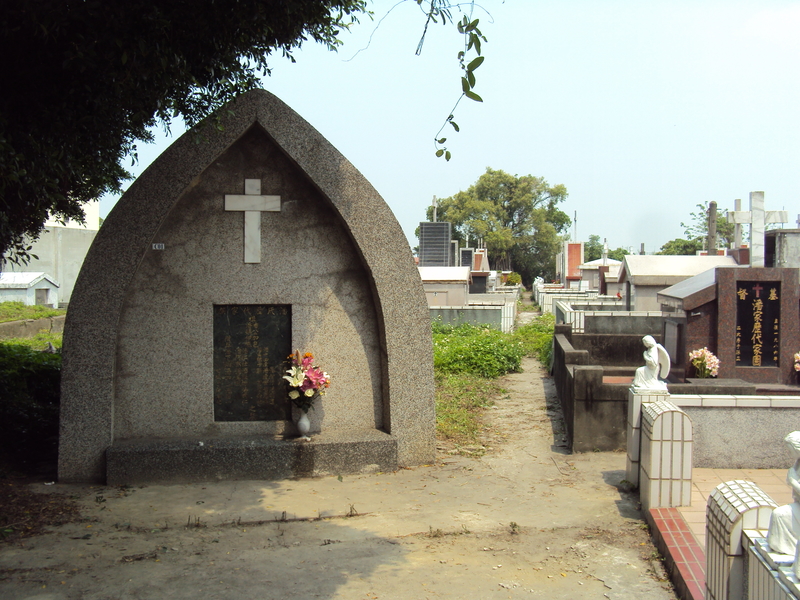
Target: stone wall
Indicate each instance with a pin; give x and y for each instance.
(30, 327)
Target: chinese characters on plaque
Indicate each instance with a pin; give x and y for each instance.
(758, 316)
(251, 343)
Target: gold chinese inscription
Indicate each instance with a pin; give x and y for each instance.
(757, 324)
(251, 343)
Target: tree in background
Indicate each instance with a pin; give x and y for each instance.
(682, 246)
(697, 228)
(516, 218)
(593, 249)
(696, 232)
(618, 254)
(85, 80)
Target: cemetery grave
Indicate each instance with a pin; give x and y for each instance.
(226, 255)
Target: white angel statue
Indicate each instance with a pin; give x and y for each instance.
(656, 362)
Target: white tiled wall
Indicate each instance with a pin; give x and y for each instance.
(739, 401)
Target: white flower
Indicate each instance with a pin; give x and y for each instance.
(295, 376)
(294, 394)
(309, 392)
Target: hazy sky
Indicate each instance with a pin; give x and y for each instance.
(641, 109)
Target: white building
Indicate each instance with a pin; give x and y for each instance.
(61, 249)
(29, 288)
(445, 286)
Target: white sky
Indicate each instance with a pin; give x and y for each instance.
(641, 109)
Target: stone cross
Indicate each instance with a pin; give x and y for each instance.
(252, 203)
(757, 218)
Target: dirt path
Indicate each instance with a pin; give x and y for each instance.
(527, 520)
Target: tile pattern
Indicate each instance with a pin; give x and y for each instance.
(684, 557)
(735, 401)
(763, 573)
(633, 428)
(679, 533)
(665, 474)
(732, 507)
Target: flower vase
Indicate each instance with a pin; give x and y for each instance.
(303, 424)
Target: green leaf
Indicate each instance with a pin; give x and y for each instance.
(453, 123)
(473, 96)
(475, 63)
(447, 155)
(465, 85)
(124, 57)
(441, 140)
(471, 79)
(476, 42)
(439, 152)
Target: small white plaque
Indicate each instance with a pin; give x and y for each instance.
(158, 246)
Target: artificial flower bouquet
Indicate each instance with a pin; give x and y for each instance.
(797, 361)
(705, 363)
(306, 380)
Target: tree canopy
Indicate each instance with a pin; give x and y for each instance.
(85, 80)
(682, 246)
(516, 217)
(88, 78)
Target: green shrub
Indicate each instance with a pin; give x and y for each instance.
(472, 349)
(536, 338)
(514, 278)
(29, 406)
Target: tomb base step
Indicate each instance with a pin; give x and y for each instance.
(130, 462)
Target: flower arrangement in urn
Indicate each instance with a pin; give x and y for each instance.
(705, 363)
(797, 361)
(307, 381)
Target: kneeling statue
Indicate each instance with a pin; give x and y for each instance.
(784, 524)
(656, 361)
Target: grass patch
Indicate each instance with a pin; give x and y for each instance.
(536, 338)
(17, 311)
(473, 349)
(37, 342)
(522, 307)
(460, 400)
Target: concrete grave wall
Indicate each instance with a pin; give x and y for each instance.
(138, 336)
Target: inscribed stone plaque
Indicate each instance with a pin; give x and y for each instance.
(251, 343)
(758, 312)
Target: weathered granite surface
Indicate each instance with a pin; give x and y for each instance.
(137, 341)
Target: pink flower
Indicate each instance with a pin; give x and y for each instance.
(316, 377)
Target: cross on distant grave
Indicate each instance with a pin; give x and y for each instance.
(757, 218)
(252, 203)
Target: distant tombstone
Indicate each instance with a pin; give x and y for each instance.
(231, 250)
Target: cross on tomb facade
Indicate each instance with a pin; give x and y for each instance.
(757, 218)
(252, 203)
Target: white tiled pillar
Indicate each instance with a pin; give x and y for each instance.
(732, 507)
(633, 429)
(665, 469)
